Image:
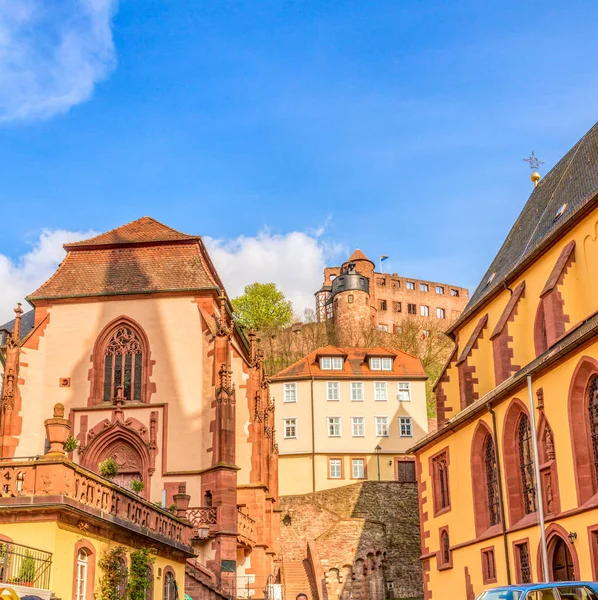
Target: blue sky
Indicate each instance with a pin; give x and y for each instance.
(396, 126)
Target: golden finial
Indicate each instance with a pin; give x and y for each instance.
(534, 163)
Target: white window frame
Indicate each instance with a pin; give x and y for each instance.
(382, 327)
(386, 364)
(454, 293)
(404, 391)
(424, 287)
(406, 422)
(375, 364)
(337, 462)
(358, 422)
(383, 387)
(333, 385)
(337, 363)
(290, 390)
(409, 285)
(424, 311)
(326, 363)
(382, 422)
(285, 424)
(440, 313)
(353, 462)
(82, 574)
(439, 289)
(338, 424)
(357, 386)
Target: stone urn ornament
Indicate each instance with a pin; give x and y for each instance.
(57, 430)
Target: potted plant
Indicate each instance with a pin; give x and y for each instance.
(137, 486)
(71, 444)
(108, 468)
(26, 574)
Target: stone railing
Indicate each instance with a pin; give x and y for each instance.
(246, 528)
(62, 478)
(203, 515)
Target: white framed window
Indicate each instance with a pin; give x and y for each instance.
(424, 311)
(357, 391)
(410, 285)
(333, 390)
(337, 363)
(375, 364)
(290, 428)
(334, 426)
(82, 568)
(326, 363)
(381, 426)
(380, 390)
(358, 468)
(290, 392)
(404, 391)
(454, 293)
(382, 327)
(440, 314)
(358, 426)
(425, 333)
(335, 468)
(423, 287)
(387, 364)
(439, 289)
(406, 426)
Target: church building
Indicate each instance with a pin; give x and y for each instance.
(517, 404)
(132, 339)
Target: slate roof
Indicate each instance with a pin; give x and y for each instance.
(572, 181)
(141, 257)
(355, 366)
(27, 322)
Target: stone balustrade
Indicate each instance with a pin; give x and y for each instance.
(61, 478)
(203, 515)
(246, 528)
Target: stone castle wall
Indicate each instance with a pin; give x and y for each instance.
(366, 537)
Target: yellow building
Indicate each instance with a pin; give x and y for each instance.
(348, 414)
(532, 321)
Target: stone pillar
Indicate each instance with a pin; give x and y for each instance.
(57, 430)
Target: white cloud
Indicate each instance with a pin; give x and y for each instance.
(294, 261)
(22, 276)
(52, 54)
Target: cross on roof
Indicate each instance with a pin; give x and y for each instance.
(534, 161)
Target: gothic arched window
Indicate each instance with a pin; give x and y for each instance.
(123, 364)
(526, 465)
(492, 491)
(593, 410)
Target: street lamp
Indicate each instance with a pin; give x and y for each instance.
(378, 449)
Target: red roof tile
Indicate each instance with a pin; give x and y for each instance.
(355, 365)
(144, 230)
(132, 259)
(359, 255)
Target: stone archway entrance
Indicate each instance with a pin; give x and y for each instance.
(130, 463)
(561, 563)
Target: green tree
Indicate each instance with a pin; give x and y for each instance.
(263, 306)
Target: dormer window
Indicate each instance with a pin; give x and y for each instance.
(331, 363)
(559, 212)
(491, 278)
(381, 364)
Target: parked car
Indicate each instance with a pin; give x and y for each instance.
(556, 590)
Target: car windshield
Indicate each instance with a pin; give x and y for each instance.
(500, 595)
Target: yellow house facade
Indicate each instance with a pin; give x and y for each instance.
(523, 376)
(348, 414)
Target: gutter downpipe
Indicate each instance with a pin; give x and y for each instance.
(313, 440)
(501, 493)
(539, 494)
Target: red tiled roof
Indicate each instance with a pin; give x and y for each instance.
(355, 365)
(132, 259)
(144, 230)
(359, 255)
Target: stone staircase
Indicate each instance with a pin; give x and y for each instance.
(297, 579)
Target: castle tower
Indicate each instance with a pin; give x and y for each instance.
(353, 308)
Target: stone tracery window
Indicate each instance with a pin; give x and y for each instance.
(526, 465)
(491, 481)
(123, 364)
(593, 410)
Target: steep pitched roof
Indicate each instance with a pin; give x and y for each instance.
(358, 255)
(572, 183)
(355, 366)
(139, 258)
(143, 230)
(27, 323)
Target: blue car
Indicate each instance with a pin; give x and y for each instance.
(555, 590)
